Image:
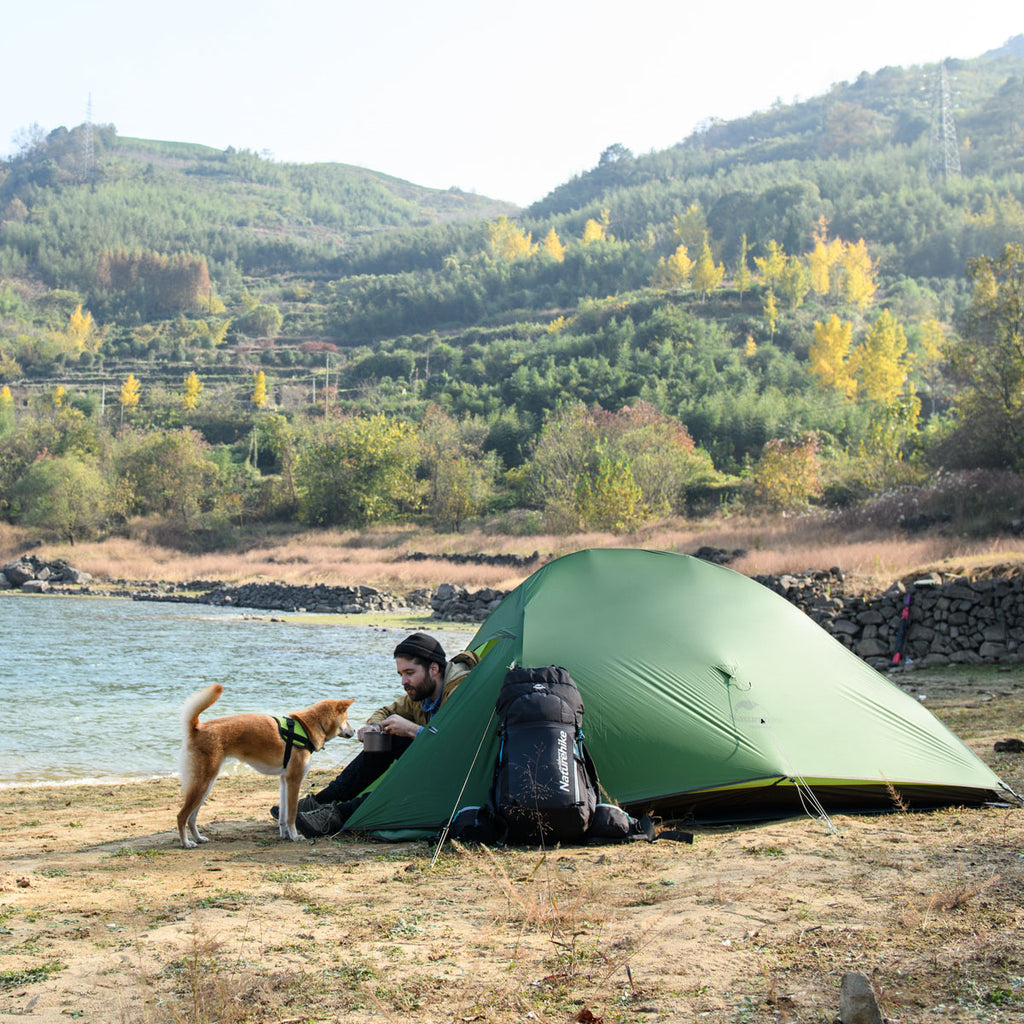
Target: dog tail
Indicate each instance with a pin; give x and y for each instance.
(197, 704)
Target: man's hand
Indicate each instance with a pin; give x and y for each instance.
(396, 725)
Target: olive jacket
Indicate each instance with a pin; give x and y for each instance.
(457, 670)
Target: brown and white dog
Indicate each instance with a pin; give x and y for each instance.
(271, 746)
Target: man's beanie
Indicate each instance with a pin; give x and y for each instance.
(420, 645)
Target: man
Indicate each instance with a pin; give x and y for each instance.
(429, 680)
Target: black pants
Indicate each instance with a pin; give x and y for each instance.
(361, 771)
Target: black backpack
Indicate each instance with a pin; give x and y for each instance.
(545, 785)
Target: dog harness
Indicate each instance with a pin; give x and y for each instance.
(294, 734)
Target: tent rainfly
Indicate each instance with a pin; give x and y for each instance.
(707, 697)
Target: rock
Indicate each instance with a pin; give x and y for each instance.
(19, 572)
(1009, 746)
(857, 1003)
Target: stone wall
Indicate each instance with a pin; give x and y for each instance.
(950, 619)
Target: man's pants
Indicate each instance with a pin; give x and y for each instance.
(362, 770)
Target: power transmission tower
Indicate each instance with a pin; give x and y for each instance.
(88, 151)
(944, 151)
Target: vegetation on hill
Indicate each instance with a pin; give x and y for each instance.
(807, 306)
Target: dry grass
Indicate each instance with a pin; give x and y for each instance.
(869, 558)
(103, 916)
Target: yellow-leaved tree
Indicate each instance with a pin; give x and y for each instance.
(83, 332)
(674, 271)
(878, 363)
(858, 278)
(597, 230)
(829, 355)
(771, 266)
(6, 409)
(193, 388)
(259, 392)
(823, 258)
(507, 242)
(707, 275)
(553, 246)
(129, 396)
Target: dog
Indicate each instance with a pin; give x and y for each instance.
(272, 746)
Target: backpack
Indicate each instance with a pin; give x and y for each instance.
(545, 784)
(545, 787)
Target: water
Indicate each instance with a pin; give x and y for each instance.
(91, 689)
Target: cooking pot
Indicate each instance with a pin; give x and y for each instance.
(374, 742)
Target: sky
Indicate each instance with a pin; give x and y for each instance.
(506, 100)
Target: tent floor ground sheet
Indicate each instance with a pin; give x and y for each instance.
(103, 917)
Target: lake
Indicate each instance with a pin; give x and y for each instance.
(91, 688)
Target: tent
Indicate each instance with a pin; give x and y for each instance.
(707, 697)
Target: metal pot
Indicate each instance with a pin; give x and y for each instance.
(374, 742)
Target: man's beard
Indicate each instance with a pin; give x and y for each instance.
(422, 690)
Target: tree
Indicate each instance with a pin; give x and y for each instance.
(771, 312)
(129, 395)
(988, 362)
(507, 242)
(794, 282)
(771, 266)
(83, 333)
(66, 494)
(707, 275)
(878, 363)
(459, 473)
(610, 499)
(829, 355)
(581, 452)
(553, 246)
(741, 279)
(858, 274)
(823, 258)
(6, 410)
(357, 470)
(261, 321)
(673, 272)
(193, 388)
(596, 230)
(259, 393)
(171, 474)
(691, 228)
(787, 476)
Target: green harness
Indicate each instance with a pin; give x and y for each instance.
(294, 734)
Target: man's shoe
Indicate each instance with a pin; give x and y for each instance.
(307, 803)
(325, 820)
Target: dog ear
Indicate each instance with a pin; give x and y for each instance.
(346, 704)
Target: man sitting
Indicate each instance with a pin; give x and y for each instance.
(428, 679)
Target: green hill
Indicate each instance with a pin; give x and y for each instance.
(686, 282)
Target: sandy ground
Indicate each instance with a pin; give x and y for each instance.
(104, 918)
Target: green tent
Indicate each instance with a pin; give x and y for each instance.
(707, 697)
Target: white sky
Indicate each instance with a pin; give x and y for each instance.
(509, 100)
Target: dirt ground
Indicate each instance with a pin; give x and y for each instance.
(104, 918)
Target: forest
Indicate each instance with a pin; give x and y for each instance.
(799, 310)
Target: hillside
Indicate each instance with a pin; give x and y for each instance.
(788, 291)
